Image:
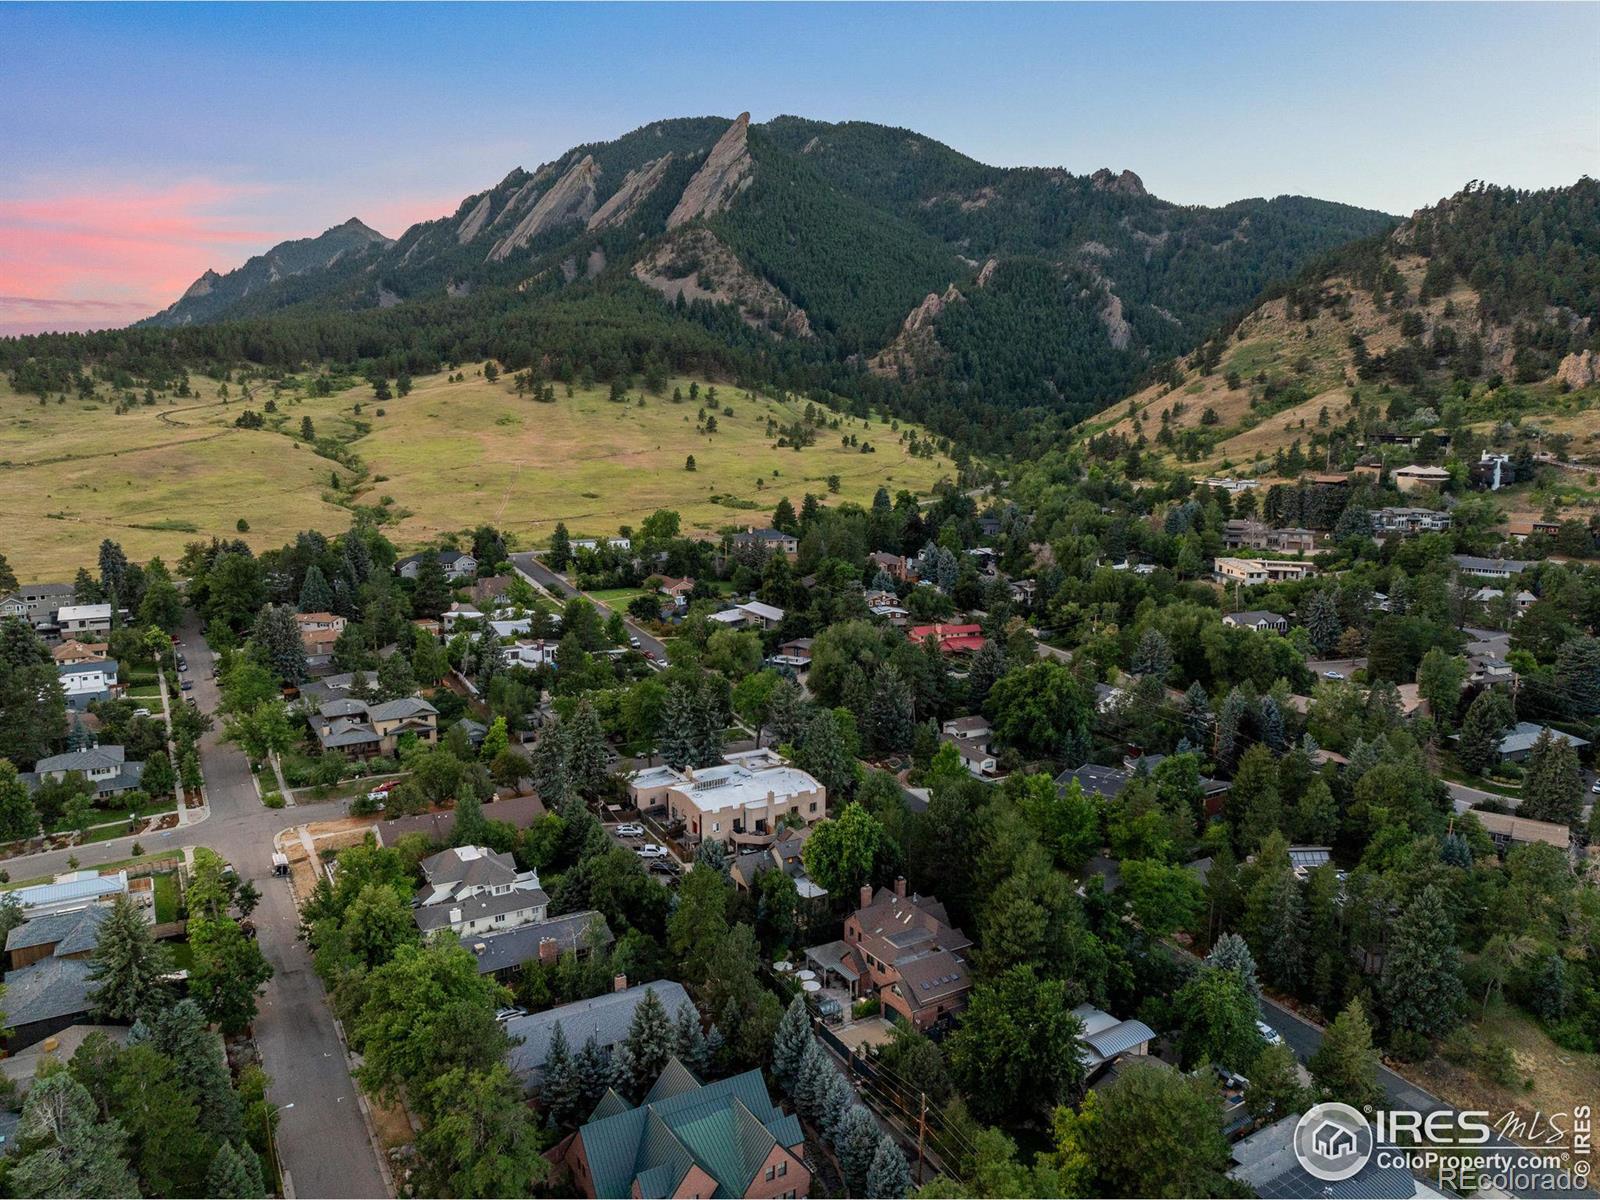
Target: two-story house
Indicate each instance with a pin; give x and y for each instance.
(361, 730)
(905, 951)
(75, 619)
(85, 682)
(105, 767)
(318, 632)
(769, 539)
(739, 802)
(36, 603)
(457, 564)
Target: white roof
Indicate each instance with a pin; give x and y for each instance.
(83, 612)
(715, 789)
(765, 611)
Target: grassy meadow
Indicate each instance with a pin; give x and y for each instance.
(446, 457)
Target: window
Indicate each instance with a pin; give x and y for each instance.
(771, 1174)
(783, 1169)
(716, 827)
(813, 806)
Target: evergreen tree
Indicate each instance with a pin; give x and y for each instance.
(1275, 1090)
(890, 713)
(786, 712)
(676, 744)
(432, 594)
(1454, 850)
(784, 519)
(560, 552)
(1345, 1066)
(1577, 675)
(1322, 621)
(113, 570)
(988, 665)
(690, 1041)
(1553, 786)
(547, 766)
(713, 855)
(128, 966)
(856, 1144)
(1198, 719)
(395, 679)
(235, 1173)
(316, 594)
(1232, 953)
(1231, 730)
(33, 710)
(813, 1077)
(651, 1041)
(592, 1072)
(824, 755)
(586, 751)
(159, 778)
(1153, 656)
(1421, 982)
(562, 1092)
(1274, 916)
(837, 1101)
(1270, 717)
(889, 1177)
(64, 1149)
(1487, 719)
(276, 640)
(790, 1043)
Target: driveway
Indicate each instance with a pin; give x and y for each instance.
(1345, 666)
(322, 1140)
(535, 572)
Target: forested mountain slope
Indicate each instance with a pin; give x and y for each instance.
(1482, 308)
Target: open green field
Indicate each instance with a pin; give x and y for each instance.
(449, 456)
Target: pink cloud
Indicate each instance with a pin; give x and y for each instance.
(122, 252)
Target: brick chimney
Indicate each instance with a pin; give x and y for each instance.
(548, 950)
(866, 895)
(900, 886)
(619, 983)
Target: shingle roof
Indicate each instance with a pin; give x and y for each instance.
(1095, 780)
(99, 758)
(605, 1018)
(47, 989)
(395, 710)
(73, 932)
(572, 931)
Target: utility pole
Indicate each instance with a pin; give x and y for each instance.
(922, 1128)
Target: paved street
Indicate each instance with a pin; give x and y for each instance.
(322, 1140)
(535, 572)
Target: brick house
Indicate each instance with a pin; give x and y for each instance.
(909, 955)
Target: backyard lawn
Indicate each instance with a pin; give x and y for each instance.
(166, 886)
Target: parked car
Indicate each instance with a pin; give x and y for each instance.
(634, 642)
(630, 830)
(1596, 788)
(186, 686)
(1268, 1034)
(506, 1014)
(141, 712)
(381, 791)
(1333, 674)
(651, 850)
(665, 866)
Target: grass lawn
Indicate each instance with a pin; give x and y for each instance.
(182, 955)
(166, 886)
(618, 599)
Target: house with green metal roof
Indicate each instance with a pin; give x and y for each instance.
(690, 1139)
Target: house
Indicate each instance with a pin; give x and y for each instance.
(905, 951)
(37, 603)
(105, 767)
(605, 1018)
(439, 827)
(676, 590)
(1489, 568)
(737, 802)
(686, 1138)
(1022, 591)
(489, 589)
(951, 639)
(1094, 780)
(1492, 471)
(1107, 697)
(796, 652)
(975, 755)
(73, 619)
(530, 654)
(752, 612)
(318, 632)
(1253, 535)
(1419, 479)
(972, 728)
(71, 934)
(1518, 742)
(611, 543)
(70, 892)
(895, 566)
(470, 890)
(1406, 522)
(769, 539)
(1259, 620)
(1245, 571)
(989, 525)
(1508, 829)
(85, 682)
(1306, 859)
(457, 564)
(1106, 1039)
(1267, 1164)
(1525, 529)
(505, 954)
(45, 997)
(71, 653)
(1230, 485)
(890, 611)
(361, 730)
(458, 613)
(786, 854)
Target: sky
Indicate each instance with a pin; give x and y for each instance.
(140, 145)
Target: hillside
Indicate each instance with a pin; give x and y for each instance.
(792, 251)
(1482, 308)
(445, 457)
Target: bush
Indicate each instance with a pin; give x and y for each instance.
(272, 799)
(138, 849)
(868, 1007)
(1409, 1046)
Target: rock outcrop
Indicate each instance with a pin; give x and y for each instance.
(1579, 370)
(570, 200)
(625, 201)
(698, 266)
(1125, 184)
(725, 173)
(1117, 327)
(916, 347)
(472, 224)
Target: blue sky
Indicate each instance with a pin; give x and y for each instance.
(145, 143)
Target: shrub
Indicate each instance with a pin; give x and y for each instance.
(273, 799)
(138, 849)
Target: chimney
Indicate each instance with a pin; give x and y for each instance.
(455, 916)
(619, 983)
(547, 950)
(866, 895)
(900, 886)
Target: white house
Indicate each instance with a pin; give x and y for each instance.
(472, 890)
(85, 682)
(73, 619)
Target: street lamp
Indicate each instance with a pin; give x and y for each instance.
(271, 1111)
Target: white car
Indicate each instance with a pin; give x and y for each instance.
(1333, 674)
(509, 1014)
(1596, 788)
(634, 642)
(630, 830)
(1268, 1034)
(651, 850)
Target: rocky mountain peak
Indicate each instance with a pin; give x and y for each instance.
(1125, 184)
(726, 173)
